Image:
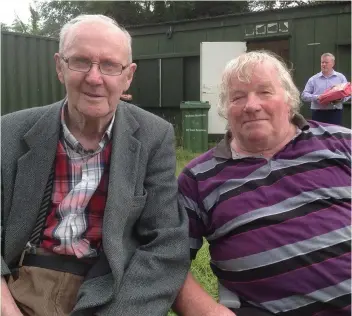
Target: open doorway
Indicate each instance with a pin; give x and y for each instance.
(279, 47)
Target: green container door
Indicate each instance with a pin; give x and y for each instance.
(195, 125)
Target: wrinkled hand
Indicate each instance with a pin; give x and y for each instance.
(336, 101)
(221, 310)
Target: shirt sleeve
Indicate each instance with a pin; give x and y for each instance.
(343, 79)
(307, 94)
(189, 199)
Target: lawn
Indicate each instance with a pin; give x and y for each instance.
(200, 266)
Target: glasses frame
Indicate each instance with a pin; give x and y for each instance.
(66, 60)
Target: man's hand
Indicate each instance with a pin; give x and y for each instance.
(220, 310)
(336, 101)
(8, 305)
(193, 300)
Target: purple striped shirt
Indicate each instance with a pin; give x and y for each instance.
(279, 229)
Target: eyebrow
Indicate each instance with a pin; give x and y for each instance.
(266, 85)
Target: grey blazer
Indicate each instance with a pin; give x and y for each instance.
(145, 231)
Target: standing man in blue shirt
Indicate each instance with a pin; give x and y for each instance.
(316, 85)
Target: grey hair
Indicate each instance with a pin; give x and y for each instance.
(91, 18)
(241, 68)
(328, 55)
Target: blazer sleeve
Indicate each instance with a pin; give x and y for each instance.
(159, 266)
(4, 268)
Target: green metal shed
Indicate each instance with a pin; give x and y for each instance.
(28, 76)
(168, 54)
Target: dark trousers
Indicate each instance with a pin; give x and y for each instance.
(328, 116)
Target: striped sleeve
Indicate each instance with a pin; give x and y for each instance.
(188, 198)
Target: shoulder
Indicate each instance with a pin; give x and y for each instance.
(340, 75)
(20, 122)
(333, 138)
(315, 77)
(200, 165)
(329, 129)
(148, 122)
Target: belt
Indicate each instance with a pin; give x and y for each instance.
(63, 263)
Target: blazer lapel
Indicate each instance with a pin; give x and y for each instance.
(123, 170)
(33, 170)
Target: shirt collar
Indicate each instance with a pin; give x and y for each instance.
(223, 149)
(74, 143)
(332, 74)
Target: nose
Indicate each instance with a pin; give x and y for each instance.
(253, 103)
(94, 76)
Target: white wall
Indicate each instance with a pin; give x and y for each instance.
(213, 58)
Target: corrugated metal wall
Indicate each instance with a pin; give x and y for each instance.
(28, 76)
(168, 56)
(175, 47)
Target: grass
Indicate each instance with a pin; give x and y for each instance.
(183, 157)
(200, 266)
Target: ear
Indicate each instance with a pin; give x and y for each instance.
(59, 68)
(129, 76)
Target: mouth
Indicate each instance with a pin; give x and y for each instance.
(253, 121)
(93, 95)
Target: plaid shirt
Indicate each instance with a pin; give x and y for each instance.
(74, 225)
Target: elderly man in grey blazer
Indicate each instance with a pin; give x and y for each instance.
(90, 219)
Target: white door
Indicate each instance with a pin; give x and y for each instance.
(213, 58)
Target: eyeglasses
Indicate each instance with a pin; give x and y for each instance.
(84, 65)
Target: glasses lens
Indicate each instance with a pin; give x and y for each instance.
(110, 68)
(79, 64)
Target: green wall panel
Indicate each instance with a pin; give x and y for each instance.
(171, 82)
(214, 35)
(147, 45)
(145, 86)
(232, 34)
(325, 34)
(191, 78)
(304, 51)
(28, 72)
(344, 28)
(166, 45)
(186, 42)
(343, 60)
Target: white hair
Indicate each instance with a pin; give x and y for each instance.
(91, 18)
(328, 55)
(241, 68)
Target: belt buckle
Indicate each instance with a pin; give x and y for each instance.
(28, 249)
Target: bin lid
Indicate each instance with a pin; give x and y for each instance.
(194, 105)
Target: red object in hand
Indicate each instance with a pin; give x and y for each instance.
(334, 93)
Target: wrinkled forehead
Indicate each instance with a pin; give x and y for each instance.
(84, 32)
(263, 73)
(326, 59)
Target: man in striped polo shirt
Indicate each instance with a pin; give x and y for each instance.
(273, 200)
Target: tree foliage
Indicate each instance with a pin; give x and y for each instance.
(47, 17)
